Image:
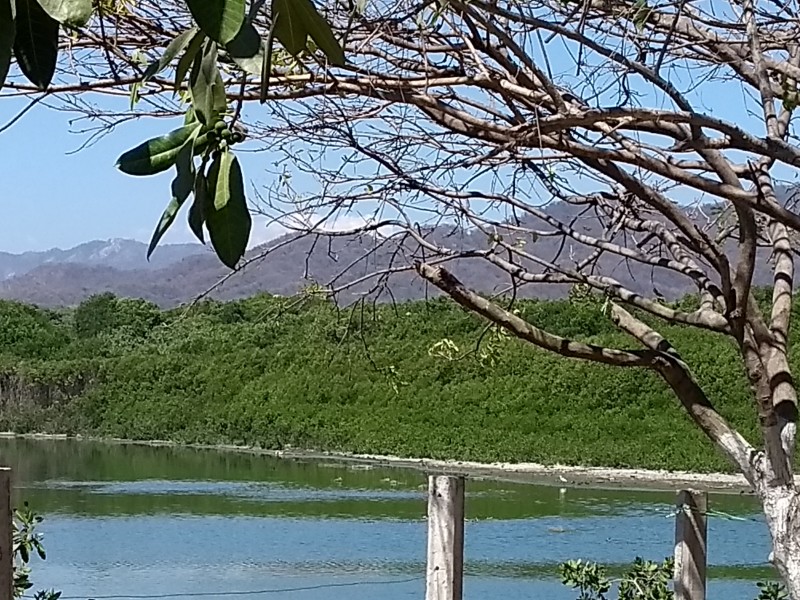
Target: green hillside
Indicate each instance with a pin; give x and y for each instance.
(407, 379)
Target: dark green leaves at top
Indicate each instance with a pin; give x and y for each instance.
(6, 37)
(182, 186)
(320, 31)
(187, 60)
(157, 154)
(219, 19)
(289, 26)
(167, 218)
(36, 43)
(246, 44)
(72, 13)
(201, 205)
(251, 64)
(227, 219)
(208, 90)
(174, 48)
(297, 20)
(222, 179)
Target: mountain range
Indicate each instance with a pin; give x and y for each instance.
(178, 273)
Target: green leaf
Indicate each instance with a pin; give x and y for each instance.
(219, 97)
(6, 37)
(219, 19)
(187, 59)
(266, 65)
(208, 91)
(229, 226)
(320, 31)
(167, 218)
(183, 183)
(289, 28)
(246, 44)
(296, 20)
(222, 179)
(155, 155)
(251, 65)
(203, 203)
(182, 186)
(174, 48)
(190, 117)
(134, 95)
(36, 43)
(72, 13)
(201, 144)
(641, 14)
(37, 545)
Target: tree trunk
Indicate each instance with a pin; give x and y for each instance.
(783, 519)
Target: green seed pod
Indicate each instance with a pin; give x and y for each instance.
(220, 126)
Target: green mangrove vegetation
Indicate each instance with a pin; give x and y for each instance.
(421, 379)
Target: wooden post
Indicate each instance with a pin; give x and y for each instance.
(691, 530)
(6, 547)
(445, 570)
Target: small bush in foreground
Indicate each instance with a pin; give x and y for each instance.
(644, 580)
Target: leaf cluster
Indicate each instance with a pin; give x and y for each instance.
(643, 580)
(27, 542)
(29, 31)
(222, 32)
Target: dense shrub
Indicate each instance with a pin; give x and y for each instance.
(409, 379)
(27, 332)
(107, 314)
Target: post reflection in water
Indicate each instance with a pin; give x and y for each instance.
(139, 520)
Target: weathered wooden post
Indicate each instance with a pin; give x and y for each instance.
(445, 571)
(6, 541)
(691, 531)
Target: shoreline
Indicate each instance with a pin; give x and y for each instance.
(533, 473)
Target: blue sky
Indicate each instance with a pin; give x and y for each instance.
(56, 199)
(52, 198)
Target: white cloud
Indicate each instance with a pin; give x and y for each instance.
(264, 230)
(345, 222)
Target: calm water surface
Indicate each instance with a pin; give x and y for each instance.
(130, 521)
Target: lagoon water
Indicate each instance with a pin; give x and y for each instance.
(129, 521)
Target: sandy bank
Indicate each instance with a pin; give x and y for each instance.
(564, 475)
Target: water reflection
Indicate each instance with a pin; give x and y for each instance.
(142, 520)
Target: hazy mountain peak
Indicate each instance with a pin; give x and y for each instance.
(178, 273)
(117, 253)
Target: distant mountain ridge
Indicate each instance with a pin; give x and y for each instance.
(117, 253)
(177, 274)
